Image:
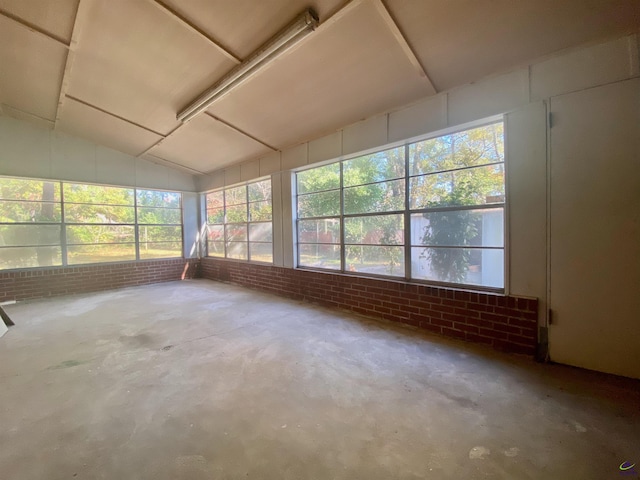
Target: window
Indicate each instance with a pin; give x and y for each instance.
(45, 223)
(431, 210)
(239, 222)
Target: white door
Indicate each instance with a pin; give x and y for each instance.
(595, 228)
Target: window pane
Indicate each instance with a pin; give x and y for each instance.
(27, 257)
(474, 228)
(319, 231)
(148, 215)
(478, 146)
(260, 191)
(215, 215)
(98, 214)
(32, 190)
(260, 211)
(236, 195)
(88, 234)
(320, 256)
(215, 249)
(236, 233)
(377, 197)
(237, 250)
(77, 254)
(161, 250)
(474, 266)
(236, 214)
(215, 233)
(475, 186)
(15, 211)
(97, 194)
(375, 230)
(376, 260)
(374, 168)
(29, 235)
(261, 232)
(159, 234)
(319, 179)
(155, 198)
(322, 204)
(215, 199)
(261, 252)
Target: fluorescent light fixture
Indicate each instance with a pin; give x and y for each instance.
(302, 26)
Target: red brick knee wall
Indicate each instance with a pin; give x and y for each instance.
(505, 322)
(27, 284)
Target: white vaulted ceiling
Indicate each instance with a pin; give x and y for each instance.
(117, 71)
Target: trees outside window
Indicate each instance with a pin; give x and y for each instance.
(431, 210)
(46, 223)
(239, 222)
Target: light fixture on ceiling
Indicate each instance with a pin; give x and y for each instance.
(302, 26)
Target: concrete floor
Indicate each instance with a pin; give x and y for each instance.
(202, 380)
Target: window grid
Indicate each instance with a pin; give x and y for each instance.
(469, 252)
(77, 241)
(239, 222)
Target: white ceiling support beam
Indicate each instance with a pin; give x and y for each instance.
(81, 15)
(190, 26)
(114, 115)
(168, 163)
(164, 137)
(34, 29)
(404, 44)
(338, 13)
(233, 127)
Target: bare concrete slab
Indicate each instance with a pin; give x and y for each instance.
(202, 380)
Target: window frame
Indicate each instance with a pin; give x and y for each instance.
(64, 223)
(408, 211)
(225, 225)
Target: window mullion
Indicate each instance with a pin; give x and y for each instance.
(407, 216)
(343, 260)
(63, 228)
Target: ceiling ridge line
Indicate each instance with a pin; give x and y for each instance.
(80, 17)
(182, 20)
(404, 44)
(34, 29)
(90, 105)
(233, 127)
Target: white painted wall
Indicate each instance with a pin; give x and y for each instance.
(523, 97)
(28, 150)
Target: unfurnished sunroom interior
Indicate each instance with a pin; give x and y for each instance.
(324, 239)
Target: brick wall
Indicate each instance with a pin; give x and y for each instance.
(33, 283)
(505, 322)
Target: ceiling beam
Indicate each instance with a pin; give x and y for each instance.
(186, 23)
(164, 137)
(34, 29)
(162, 161)
(90, 105)
(78, 22)
(246, 134)
(404, 44)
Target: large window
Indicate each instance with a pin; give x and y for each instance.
(239, 222)
(45, 223)
(431, 210)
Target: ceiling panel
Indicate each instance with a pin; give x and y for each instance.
(141, 64)
(54, 17)
(104, 129)
(461, 41)
(346, 71)
(244, 25)
(205, 144)
(31, 68)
